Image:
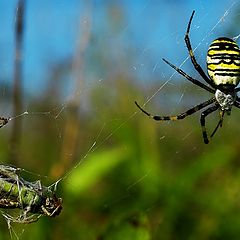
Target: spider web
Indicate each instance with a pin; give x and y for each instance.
(139, 69)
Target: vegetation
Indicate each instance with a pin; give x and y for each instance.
(123, 175)
(140, 179)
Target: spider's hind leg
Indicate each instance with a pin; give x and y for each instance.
(220, 122)
(204, 114)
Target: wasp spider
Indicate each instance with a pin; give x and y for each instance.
(223, 65)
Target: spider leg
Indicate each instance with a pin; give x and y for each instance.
(204, 114)
(237, 104)
(237, 89)
(219, 123)
(193, 59)
(181, 115)
(194, 81)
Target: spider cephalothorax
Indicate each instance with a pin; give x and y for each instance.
(223, 64)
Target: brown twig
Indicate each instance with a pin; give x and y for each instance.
(72, 124)
(17, 85)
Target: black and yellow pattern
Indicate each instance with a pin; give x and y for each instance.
(223, 62)
(179, 116)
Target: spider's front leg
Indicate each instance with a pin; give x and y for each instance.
(191, 54)
(204, 114)
(181, 115)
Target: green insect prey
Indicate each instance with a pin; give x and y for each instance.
(30, 197)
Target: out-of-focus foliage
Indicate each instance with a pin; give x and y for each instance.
(126, 176)
(140, 179)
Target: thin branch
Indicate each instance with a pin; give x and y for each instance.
(17, 85)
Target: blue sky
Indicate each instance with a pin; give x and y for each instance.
(152, 29)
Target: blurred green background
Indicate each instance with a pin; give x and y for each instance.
(123, 175)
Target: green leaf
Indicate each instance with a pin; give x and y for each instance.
(93, 168)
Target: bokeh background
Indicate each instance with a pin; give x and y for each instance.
(122, 175)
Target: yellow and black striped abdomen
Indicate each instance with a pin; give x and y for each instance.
(223, 62)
